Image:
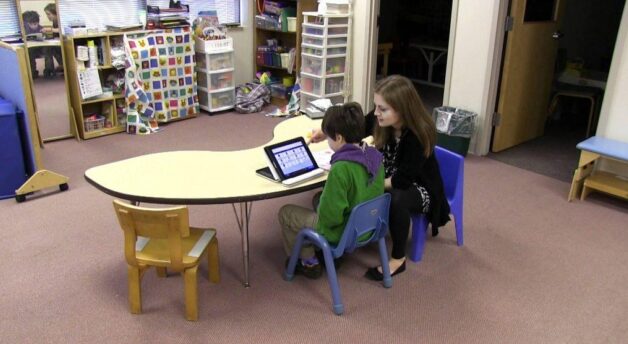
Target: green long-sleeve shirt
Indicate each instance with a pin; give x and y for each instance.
(347, 186)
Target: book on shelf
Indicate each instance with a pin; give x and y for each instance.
(124, 27)
(160, 11)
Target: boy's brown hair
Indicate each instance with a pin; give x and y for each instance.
(346, 120)
(30, 17)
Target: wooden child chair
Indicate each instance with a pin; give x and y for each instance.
(162, 238)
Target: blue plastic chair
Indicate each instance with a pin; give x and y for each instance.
(369, 217)
(452, 171)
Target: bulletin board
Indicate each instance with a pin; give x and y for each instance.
(160, 79)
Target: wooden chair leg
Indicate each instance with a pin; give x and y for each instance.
(162, 272)
(585, 192)
(191, 296)
(213, 261)
(135, 292)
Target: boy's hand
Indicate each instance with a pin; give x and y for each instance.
(315, 136)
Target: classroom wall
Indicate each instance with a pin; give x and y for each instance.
(243, 44)
(361, 49)
(472, 65)
(613, 122)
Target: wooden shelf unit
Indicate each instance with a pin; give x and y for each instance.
(285, 38)
(104, 106)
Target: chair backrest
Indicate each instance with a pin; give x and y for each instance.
(163, 223)
(451, 170)
(369, 219)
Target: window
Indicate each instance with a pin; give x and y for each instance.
(228, 10)
(539, 10)
(100, 13)
(9, 22)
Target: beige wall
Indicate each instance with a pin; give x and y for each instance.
(614, 115)
(362, 51)
(243, 44)
(613, 122)
(473, 62)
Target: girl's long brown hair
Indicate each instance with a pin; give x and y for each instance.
(400, 94)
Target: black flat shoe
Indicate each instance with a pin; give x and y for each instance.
(374, 274)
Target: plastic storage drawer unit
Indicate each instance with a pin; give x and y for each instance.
(13, 171)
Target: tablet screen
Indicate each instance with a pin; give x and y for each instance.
(291, 158)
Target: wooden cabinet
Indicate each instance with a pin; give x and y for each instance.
(268, 60)
(101, 115)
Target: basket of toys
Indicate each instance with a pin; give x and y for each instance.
(93, 123)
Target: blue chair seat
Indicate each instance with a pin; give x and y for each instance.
(370, 219)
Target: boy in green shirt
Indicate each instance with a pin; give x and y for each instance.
(356, 176)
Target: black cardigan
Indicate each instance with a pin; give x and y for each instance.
(412, 166)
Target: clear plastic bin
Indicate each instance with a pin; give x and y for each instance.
(313, 30)
(335, 65)
(336, 40)
(336, 51)
(313, 20)
(311, 51)
(311, 85)
(337, 30)
(222, 99)
(338, 21)
(221, 80)
(311, 65)
(334, 85)
(221, 61)
(312, 40)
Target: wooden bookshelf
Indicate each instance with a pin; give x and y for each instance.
(290, 39)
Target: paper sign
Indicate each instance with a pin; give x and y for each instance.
(89, 83)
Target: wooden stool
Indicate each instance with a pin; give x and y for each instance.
(586, 180)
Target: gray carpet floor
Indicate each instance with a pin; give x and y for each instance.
(534, 268)
(554, 154)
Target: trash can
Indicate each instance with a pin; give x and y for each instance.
(13, 171)
(454, 128)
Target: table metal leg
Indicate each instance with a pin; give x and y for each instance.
(243, 219)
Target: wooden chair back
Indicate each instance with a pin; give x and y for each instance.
(171, 224)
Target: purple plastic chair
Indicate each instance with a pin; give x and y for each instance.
(452, 171)
(368, 218)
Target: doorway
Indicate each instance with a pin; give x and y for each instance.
(413, 41)
(586, 35)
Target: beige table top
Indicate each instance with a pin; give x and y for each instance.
(202, 177)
